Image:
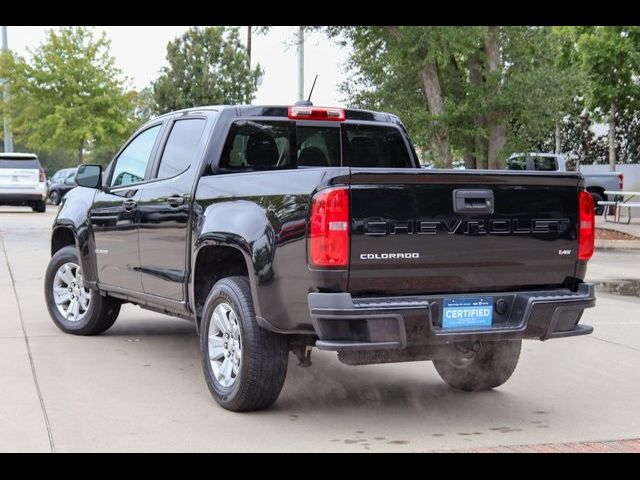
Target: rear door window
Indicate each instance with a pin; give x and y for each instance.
(180, 150)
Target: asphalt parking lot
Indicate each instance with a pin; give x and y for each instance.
(139, 386)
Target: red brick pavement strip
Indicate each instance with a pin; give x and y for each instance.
(619, 446)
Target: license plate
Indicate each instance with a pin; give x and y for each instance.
(467, 313)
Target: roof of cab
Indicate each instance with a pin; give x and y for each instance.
(281, 110)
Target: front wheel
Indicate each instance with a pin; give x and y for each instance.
(489, 367)
(73, 307)
(244, 365)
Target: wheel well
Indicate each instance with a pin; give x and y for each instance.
(598, 190)
(214, 263)
(61, 238)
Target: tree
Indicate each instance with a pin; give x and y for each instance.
(609, 56)
(460, 89)
(207, 66)
(69, 97)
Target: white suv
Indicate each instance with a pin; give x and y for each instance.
(22, 181)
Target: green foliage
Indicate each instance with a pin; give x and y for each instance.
(69, 97)
(531, 90)
(207, 66)
(610, 59)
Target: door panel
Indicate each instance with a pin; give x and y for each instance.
(114, 216)
(114, 220)
(165, 208)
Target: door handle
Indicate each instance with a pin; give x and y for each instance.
(473, 201)
(129, 204)
(176, 200)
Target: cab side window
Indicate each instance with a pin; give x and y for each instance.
(131, 165)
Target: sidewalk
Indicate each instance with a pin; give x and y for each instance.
(632, 229)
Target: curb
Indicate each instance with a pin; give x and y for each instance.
(607, 446)
(601, 244)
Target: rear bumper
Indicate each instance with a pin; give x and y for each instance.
(21, 196)
(344, 323)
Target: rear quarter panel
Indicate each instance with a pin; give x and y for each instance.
(264, 215)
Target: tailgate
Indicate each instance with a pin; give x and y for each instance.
(407, 236)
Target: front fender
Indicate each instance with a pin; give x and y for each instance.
(73, 215)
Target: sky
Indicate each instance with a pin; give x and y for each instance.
(140, 54)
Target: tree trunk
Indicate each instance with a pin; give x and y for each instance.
(558, 146)
(612, 138)
(433, 93)
(497, 141)
(81, 152)
(469, 161)
(249, 45)
(481, 146)
(497, 124)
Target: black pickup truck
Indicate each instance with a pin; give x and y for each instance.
(278, 229)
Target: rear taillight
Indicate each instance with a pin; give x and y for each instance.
(586, 230)
(329, 228)
(42, 176)
(621, 181)
(317, 113)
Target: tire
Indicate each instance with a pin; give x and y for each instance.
(599, 209)
(40, 206)
(100, 313)
(490, 367)
(262, 355)
(54, 197)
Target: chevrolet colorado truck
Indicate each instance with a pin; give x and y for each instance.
(278, 229)
(594, 183)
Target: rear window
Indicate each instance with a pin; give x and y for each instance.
(271, 145)
(19, 163)
(374, 146)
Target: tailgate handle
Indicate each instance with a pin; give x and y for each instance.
(473, 201)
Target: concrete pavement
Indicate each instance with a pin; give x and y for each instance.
(139, 386)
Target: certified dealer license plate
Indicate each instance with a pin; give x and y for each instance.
(467, 313)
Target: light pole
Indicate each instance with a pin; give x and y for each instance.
(300, 63)
(8, 140)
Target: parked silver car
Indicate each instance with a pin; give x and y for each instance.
(22, 181)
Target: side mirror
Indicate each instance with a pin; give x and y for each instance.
(89, 175)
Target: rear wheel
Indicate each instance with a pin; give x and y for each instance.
(599, 209)
(54, 197)
(40, 206)
(244, 365)
(488, 367)
(73, 307)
